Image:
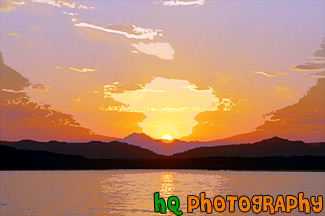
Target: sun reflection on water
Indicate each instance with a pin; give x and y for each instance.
(167, 184)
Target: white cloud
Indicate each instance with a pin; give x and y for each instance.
(183, 2)
(56, 3)
(82, 70)
(276, 74)
(170, 95)
(161, 50)
(135, 32)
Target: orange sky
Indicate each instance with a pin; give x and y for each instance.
(194, 70)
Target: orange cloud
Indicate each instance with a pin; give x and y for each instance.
(21, 118)
(301, 121)
(13, 34)
(282, 88)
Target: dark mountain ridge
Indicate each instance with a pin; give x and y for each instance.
(118, 150)
(13, 159)
(270, 147)
(166, 147)
(93, 149)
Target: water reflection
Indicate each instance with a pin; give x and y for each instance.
(130, 192)
(167, 185)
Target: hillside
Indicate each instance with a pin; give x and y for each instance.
(93, 149)
(13, 159)
(270, 147)
(167, 148)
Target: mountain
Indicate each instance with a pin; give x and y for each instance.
(270, 147)
(166, 148)
(13, 159)
(121, 150)
(93, 149)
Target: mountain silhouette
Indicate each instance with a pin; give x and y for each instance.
(93, 149)
(120, 150)
(270, 147)
(13, 159)
(166, 148)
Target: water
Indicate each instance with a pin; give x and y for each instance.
(130, 192)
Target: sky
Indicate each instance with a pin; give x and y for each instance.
(191, 69)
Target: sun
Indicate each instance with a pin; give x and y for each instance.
(167, 137)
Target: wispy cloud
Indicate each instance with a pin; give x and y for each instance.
(63, 3)
(82, 70)
(134, 32)
(276, 74)
(183, 2)
(282, 88)
(13, 34)
(34, 29)
(161, 50)
(30, 88)
(317, 64)
(9, 5)
(308, 67)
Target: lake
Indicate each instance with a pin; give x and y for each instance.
(130, 192)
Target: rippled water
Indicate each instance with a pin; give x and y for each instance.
(130, 192)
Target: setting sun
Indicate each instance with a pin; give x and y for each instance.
(167, 137)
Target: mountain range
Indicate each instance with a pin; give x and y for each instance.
(92, 150)
(13, 159)
(166, 147)
(120, 150)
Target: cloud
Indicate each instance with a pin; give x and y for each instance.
(117, 87)
(14, 34)
(22, 118)
(9, 5)
(82, 70)
(34, 29)
(39, 88)
(303, 120)
(70, 13)
(133, 32)
(160, 50)
(63, 3)
(75, 99)
(308, 67)
(30, 88)
(276, 74)
(282, 88)
(318, 64)
(169, 104)
(183, 2)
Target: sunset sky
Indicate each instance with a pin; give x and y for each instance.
(190, 69)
